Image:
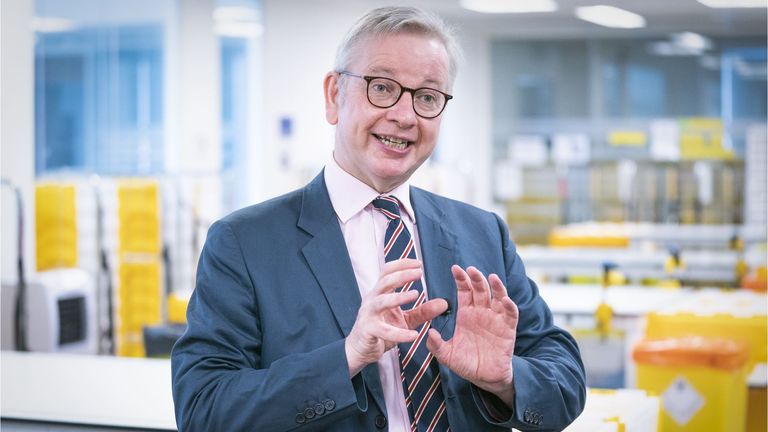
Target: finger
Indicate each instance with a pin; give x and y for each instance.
(502, 301)
(437, 346)
(392, 300)
(481, 293)
(400, 264)
(498, 290)
(512, 312)
(463, 286)
(427, 311)
(390, 333)
(398, 278)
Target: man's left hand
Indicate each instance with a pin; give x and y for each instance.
(483, 341)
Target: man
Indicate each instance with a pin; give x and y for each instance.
(360, 303)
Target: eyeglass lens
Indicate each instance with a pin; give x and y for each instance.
(384, 92)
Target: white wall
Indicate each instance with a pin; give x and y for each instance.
(466, 138)
(193, 150)
(300, 43)
(17, 130)
(198, 91)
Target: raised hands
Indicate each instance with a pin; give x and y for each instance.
(381, 323)
(483, 341)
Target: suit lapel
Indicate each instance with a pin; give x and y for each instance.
(327, 256)
(438, 249)
(328, 259)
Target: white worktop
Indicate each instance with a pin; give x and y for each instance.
(86, 389)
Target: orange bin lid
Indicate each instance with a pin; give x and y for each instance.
(725, 354)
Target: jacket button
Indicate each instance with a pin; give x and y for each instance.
(381, 421)
(319, 409)
(300, 419)
(329, 405)
(309, 413)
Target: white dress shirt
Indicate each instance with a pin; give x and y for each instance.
(363, 228)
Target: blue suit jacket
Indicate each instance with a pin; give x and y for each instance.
(276, 295)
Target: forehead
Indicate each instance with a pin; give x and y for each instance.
(407, 56)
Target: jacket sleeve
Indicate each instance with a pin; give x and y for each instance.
(219, 381)
(549, 378)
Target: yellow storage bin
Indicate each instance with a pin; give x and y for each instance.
(590, 235)
(139, 304)
(139, 216)
(140, 290)
(737, 315)
(55, 226)
(177, 307)
(558, 238)
(701, 382)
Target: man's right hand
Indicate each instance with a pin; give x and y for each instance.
(381, 323)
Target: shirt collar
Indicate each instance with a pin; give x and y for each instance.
(349, 195)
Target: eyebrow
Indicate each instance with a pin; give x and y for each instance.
(390, 73)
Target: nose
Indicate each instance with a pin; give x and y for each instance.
(402, 112)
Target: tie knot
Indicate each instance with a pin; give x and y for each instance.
(388, 205)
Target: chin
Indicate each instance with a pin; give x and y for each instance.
(390, 173)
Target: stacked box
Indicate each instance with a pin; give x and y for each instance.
(139, 297)
(55, 226)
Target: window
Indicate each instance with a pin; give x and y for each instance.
(598, 85)
(99, 100)
(234, 90)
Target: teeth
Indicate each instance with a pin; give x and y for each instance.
(393, 142)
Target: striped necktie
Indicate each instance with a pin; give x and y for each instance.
(419, 369)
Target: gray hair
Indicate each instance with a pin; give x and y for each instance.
(398, 19)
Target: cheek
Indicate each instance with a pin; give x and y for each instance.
(429, 134)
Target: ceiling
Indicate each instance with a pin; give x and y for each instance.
(662, 17)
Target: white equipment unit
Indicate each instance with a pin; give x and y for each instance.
(61, 312)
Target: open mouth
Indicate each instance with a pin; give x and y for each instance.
(392, 142)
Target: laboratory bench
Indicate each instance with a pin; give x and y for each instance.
(45, 391)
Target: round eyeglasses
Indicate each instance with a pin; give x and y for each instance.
(386, 92)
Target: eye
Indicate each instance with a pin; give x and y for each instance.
(428, 97)
(380, 86)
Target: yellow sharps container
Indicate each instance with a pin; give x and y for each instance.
(701, 382)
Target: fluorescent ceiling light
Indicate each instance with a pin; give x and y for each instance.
(610, 16)
(666, 48)
(237, 22)
(509, 6)
(691, 41)
(734, 3)
(682, 44)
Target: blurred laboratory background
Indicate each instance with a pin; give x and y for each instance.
(623, 141)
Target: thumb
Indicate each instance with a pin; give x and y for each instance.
(436, 345)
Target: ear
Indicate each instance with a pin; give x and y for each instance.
(331, 90)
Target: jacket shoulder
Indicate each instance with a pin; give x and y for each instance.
(281, 208)
(450, 207)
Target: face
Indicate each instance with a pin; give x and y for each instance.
(382, 147)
